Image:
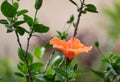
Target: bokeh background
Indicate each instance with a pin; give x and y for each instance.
(103, 26)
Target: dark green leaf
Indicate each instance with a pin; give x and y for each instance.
(28, 19)
(100, 74)
(91, 8)
(9, 30)
(40, 28)
(3, 21)
(38, 4)
(71, 19)
(39, 51)
(19, 74)
(18, 23)
(96, 44)
(22, 12)
(49, 77)
(36, 67)
(15, 5)
(73, 2)
(21, 30)
(61, 72)
(75, 67)
(48, 45)
(8, 10)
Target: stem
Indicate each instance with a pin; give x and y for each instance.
(48, 62)
(12, 1)
(29, 78)
(100, 52)
(66, 70)
(78, 19)
(113, 78)
(59, 66)
(26, 54)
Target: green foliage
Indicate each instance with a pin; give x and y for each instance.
(8, 10)
(71, 19)
(22, 12)
(62, 35)
(28, 20)
(112, 71)
(90, 8)
(40, 28)
(2, 21)
(39, 51)
(38, 4)
(114, 20)
(22, 54)
(96, 44)
(73, 2)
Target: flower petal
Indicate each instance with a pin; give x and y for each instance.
(59, 44)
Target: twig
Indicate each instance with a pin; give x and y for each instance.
(113, 78)
(78, 19)
(49, 60)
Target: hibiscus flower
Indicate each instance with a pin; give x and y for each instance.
(70, 48)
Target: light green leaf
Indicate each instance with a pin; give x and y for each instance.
(22, 12)
(39, 51)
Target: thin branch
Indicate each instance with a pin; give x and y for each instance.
(49, 60)
(113, 78)
(78, 19)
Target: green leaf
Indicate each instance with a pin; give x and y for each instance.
(21, 30)
(39, 51)
(9, 30)
(19, 74)
(16, 5)
(91, 8)
(71, 19)
(28, 19)
(105, 60)
(61, 72)
(48, 45)
(38, 4)
(100, 74)
(22, 67)
(75, 67)
(56, 61)
(8, 10)
(22, 12)
(96, 43)
(49, 77)
(3, 21)
(73, 2)
(40, 28)
(18, 23)
(36, 67)
(22, 53)
(75, 75)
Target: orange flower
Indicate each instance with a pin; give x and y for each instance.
(70, 48)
